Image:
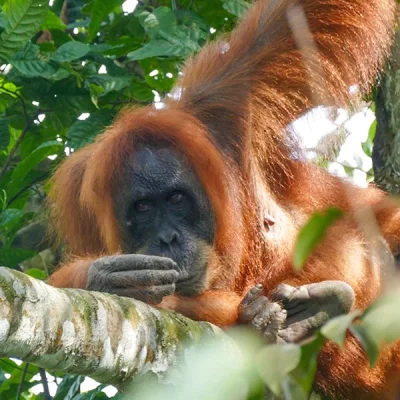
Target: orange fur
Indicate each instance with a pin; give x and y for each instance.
(229, 115)
(73, 274)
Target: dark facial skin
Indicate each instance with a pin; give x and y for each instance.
(164, 211)
(167, 226)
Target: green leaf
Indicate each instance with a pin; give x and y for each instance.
(23, 18)
(28, 63)
(159, 48)
(4, 134)
(27, 164)
(36, 273)
(99, 12)
(292, 390)
(381, 320)
(68, 387)
(4, 101)
(161, 20)
(52, 21)
(110, 83)
(368, 343)
(10, 257)
(8, 365)
(235, 7)
(372, 131)
(275, 362)
(83, 132)
(369, 143)
(378, 326)
(336, 328)
(2, 20)
(94, 394)
(167, 38)
(305, 371)
(141, 91)
(70, 51)
(9, 218)
(312, 234)
(9, 388)
(60, 74)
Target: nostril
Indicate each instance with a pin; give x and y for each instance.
(168, 238)
(174, 238)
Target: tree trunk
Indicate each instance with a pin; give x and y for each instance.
(386, 153)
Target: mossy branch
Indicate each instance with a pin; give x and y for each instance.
(108, 338)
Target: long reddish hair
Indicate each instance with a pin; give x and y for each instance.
(106, 160)
(228, 115)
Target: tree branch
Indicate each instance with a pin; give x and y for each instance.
(16, 147)
(110, 338)
(27, 187)
(385, 155)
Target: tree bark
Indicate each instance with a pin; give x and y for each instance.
(109, 338)
(386, 152)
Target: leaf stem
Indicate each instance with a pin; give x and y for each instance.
(16, 146)
(26, 187)
(21, 382)
(20, 99)
(45, 384)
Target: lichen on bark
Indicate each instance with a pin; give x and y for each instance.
(110, 338)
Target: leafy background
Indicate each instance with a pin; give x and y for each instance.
(66, 69)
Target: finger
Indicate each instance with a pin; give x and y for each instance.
(248, 312)
(277, 320)
(253, 294)
(142, 278)
(157, 293)
(276, 323)
(337, 294)
(288, 295)
(296, 332)
(126, 262)
(300, 330)
(266, 316)
(153, 262)
(153, 294)
(323, 290)
(314, 308)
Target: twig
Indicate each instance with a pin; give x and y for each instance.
(43, 377)
(21, 383)
(15, 148)
(20, 99)
(26, 187)
(64, 12)
(145, 6)
(12, 365)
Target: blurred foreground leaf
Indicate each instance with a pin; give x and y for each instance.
(313, 233)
